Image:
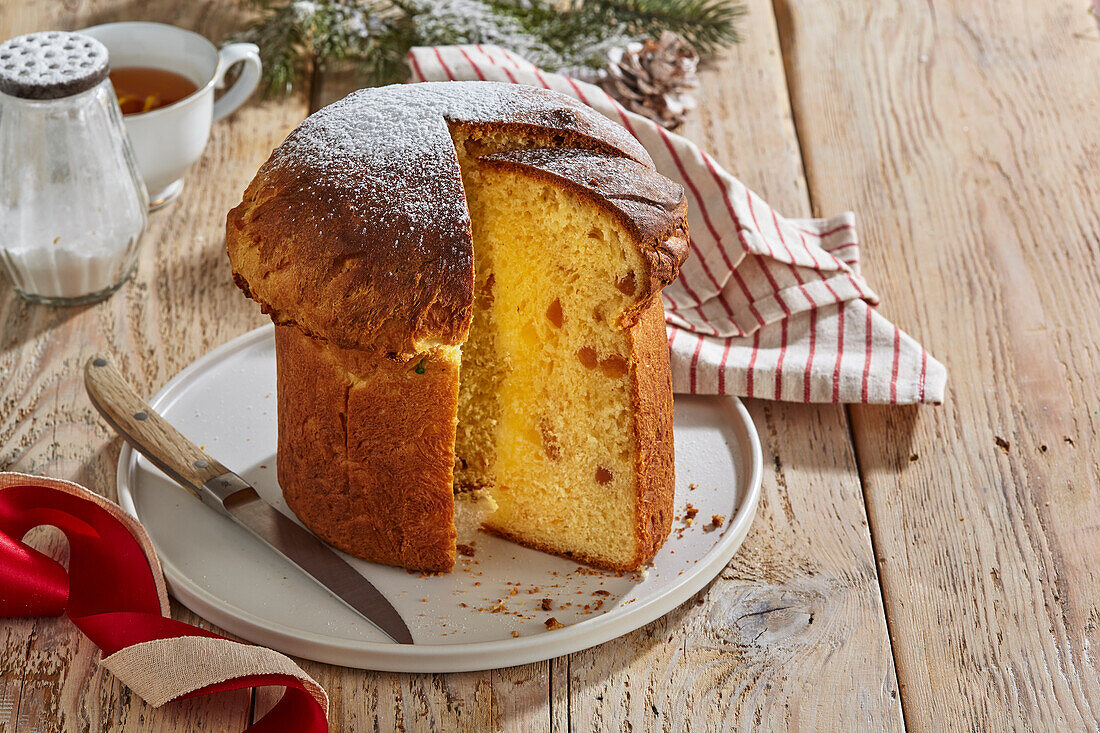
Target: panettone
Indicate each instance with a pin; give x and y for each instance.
(465, 280)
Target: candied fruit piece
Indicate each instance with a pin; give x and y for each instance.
(603, 476)
(554, 314)
(530, 335)
(588, 357)
(614, 366)
(626, 285)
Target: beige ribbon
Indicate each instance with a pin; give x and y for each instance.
(164, 669)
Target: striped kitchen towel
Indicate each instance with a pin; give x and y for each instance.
(765, 306)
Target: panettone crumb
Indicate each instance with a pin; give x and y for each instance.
(546, 604)
(552, 624)
(689, 514)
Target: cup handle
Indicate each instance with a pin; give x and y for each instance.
(246, 83)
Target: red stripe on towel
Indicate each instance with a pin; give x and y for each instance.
(416, 66)
(695, 361)
(810, 358)
(894, 368)
(923, 372)
(752, 363)
(779, 361)
(839, 351)
(446, 69)
(722, 367)
(466, 56)
(867, 357)
(827, 233)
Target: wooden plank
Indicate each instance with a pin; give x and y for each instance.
(181, 303)
(792, 635)
(964, 134)
(515, 699)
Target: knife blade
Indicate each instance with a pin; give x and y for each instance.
(229, 494)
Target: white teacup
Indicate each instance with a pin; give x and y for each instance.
(168, 140)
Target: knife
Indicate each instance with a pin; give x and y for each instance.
(226, 492)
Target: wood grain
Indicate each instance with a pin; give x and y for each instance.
(791, 636)
(965, 133)
(181, 303)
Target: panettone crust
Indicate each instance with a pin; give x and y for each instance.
(365, 446)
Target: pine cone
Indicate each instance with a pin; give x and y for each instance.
(653, 78)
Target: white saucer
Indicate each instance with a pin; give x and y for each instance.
(225, 402)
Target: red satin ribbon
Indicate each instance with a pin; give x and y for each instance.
(110, 591)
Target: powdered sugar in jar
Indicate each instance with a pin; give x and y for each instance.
(72, 204)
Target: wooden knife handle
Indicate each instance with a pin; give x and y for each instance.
(145, 430)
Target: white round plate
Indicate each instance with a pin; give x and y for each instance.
(487, 613)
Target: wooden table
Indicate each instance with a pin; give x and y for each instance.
(929, 568)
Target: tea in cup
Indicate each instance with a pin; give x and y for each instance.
(164, 78)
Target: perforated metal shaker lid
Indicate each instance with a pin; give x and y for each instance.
(51, 65)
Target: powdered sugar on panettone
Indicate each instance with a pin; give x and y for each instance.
(357, 228)
(394, 143)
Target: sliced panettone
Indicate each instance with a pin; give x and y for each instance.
(466, 280)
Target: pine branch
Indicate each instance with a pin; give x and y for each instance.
(708, 25)
(281, 37)
(519, 27)
(575, 35)
(296, 36)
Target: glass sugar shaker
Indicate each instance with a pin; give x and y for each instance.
(72, 203)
